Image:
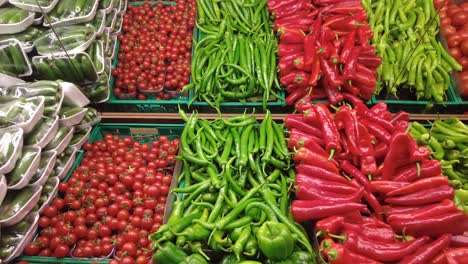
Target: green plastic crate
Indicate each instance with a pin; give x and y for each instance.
(144, 133)
(151, 104)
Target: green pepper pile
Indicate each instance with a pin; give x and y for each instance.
(413, 60)
(236, 193)
(236, 58)
(448, 142)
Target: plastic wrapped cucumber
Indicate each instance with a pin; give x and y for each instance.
(14, 111)
(46, 164)
(99, 91)
(59, 137)
(12, 15)
(23, 165)
(51, 90)
(26, 37)
(13, 61)
(63, 158)
(96, 53)
(68, 9)
(13, 235)
(72, 38)
(104, 4)
(47, 191)
(10, 140)
(90, 118)
(40, 131)
(78, 69)
(14, 202)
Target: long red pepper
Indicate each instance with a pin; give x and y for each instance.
(306, 191)
(444, 207)
(303, 210)
(327, 185)
(409, 173)
(318, 172)
(299, 123)
(433, 226)
(291, 35)
(329, 225)
(384, 234)
(371, 200)
(392, 209)
(308, 157)
(364, 35)
(332, 92)
(368, 163)
(398, 155)
(421, 185)
(457, 256)
(342, 8)
(303, 104)
(378, 131)
(364, 112)
(338, 254)
(330, 72)
(350, 124)
(315, 74)
(382, 251)
(388, 186)
(348, 46)
(459, 241)
(428, 252)
(309, 51)
(370, 61)
(287, 49)
(350, 98)
(422, 197)
(298, 139)
(357, 174)
(329, 130)
(295, 95)
(311, 118)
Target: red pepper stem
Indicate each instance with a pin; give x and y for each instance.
(319, 233)
(418, 166)
(332, 153)
(342, 237)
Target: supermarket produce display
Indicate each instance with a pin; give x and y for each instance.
(292, 137)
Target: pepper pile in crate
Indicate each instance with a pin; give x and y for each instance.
(324, 50)
(407, 213)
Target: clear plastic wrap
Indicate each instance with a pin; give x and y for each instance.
(72, 12)
(106, 5)
(24, 169)
(26, 38)
(91, 118)
(21, 112)
(14, 19)
(65, 162)
(11, 144)
(99, 22)
(73, 39)
(80, 137)
(96, 53)
(17, 204)
(42, 133)
(78, 68)
(3, 188)
(46, 166)
(70, 116)
(31, 5)
(13, 59)
(61, 140)
(16, 237)
(98, 92)
(49, 191)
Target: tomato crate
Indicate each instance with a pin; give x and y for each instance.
(143, 133)
(454, 103)
(151, 104)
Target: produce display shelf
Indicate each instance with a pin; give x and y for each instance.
(151, 104)
(144, 133)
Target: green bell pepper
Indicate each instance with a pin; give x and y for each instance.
(169, 254)
(275, 240)
(195, 259)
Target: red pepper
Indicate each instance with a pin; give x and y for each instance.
(357, 174)
(351, 63)
(305, 210)
(382, 251)
(298, 139)
(291, 35)
(370, 61)
(378, 131)
(308, 157)
(298, 23)
(291, 9)
(428, 252)
(329, 130)
(320, 173)
(380, 150)
(350, 124)
(287, 49)
(444, 207)
(364, 112)
(384, 234)
(327, 185)
(419, 154)
(459, 241)
(390, 209)
(332, 92)
(334, 57)
(387, 186)
(433, 226)
(368, 163)
(315, 74)
(303, 104)
(400, 116)
(349, 23)
(338, 44)
(368, 51)
(398, 155)
(348, 46)
(439, 259)
(365, 71)
(309, 51)
(457, 256)
(307, 191)
(421, 185)
(298, 78)
(311, 118)
(409, 173)
(351, 98)
(295, 94)
(422, 197)
(342, 8)
(325, 245)
(330, 72)
(338, 254)
(299, 64)
(371, 200)
(298, 122)
(275, 4)
(329, 225)
(286, 63)
(381, 109)
(364, 35)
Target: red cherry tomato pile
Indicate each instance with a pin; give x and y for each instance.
(111, 203)
(155, 50)
(454, 23)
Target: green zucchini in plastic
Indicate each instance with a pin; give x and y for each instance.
(22, 166)
(14, 201)
(39, 131)
(77, 136)
(12, 15)
(12, 59)
(64, 157)
(42, 167)
(90, 116)
(27, 36)
(61, 133)
(71, 37)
